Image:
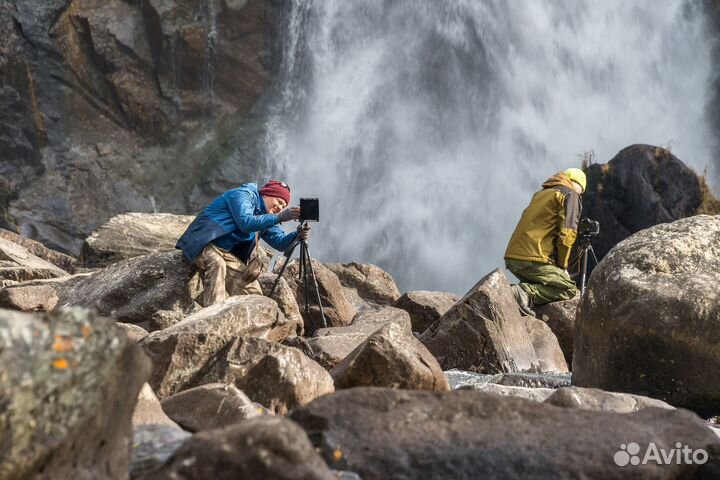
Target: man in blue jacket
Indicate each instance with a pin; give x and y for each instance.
(222, 240)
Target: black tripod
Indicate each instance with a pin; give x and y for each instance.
(305, 267)
(584, 251)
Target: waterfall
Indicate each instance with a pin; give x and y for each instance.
(424, 126)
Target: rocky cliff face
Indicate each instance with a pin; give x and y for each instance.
(127, 105)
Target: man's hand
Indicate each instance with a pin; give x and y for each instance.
(290, 213)
(304, 233)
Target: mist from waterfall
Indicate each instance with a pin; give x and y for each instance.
(424, 126)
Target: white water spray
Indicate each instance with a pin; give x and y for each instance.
(425, 125)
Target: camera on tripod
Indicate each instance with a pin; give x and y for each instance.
(588, 228)
(309, 210)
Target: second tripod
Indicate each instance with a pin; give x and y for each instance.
(305, 267)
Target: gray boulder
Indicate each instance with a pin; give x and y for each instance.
(648, 323)
(184, 351)
(37, 295)
(133, 290)
(132, 235)
(425, 308)
(68, 385)
(277, 377)
(331, 345)
(372, 283)
(529, 393)
(18, 264)
(560, 317)
(385, 433)
(337, 308)
(284, 297)
(60, 260)
(391, 357)
(148, 410)
(547, 348)
(152, 446)
(594, 399)
(268, 448)
(483, 332)
(211, 406)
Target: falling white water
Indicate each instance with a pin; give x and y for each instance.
(424, 126)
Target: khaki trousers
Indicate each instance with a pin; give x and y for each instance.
(223, 275)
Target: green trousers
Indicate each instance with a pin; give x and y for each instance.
(544, 283)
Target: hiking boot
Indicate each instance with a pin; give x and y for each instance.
(523, 300)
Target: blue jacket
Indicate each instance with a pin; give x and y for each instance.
(230, 222)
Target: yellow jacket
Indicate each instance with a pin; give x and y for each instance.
(547, 229)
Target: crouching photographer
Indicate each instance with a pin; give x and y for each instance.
(222, 241)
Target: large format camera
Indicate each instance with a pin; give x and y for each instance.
(588, 228)
(309, 210)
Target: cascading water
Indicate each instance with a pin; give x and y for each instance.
(425, 125)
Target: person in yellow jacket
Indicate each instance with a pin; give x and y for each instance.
(539, 249)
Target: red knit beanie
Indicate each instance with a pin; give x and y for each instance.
(277, 189)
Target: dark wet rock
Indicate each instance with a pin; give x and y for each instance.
(425, 308)
(595, 399)
(331, 345)
(134, 332)
(260, 448)
(68, 385)
(649, 323)
(560, 317)
(278, 377)
(284, 297)
(468, 434)
(19, 265)
(372, 283)
(391, 357)
(483, 332)
(60, 260)
(640, 187)
(534, 380)
(336, 307)
(132, 235)
(152, 446)
(181, 354)
(148, 410)
(211, 406)
(547, 348)
(133, 290)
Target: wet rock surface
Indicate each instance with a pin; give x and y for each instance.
(68, 383)
(468, 434)
(152, 446)
(649, 322)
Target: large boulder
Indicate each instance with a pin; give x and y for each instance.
(337, 308)
(211, 406)
(149, 411)
(483, 332)
(648, 323)
(183, 352)
(37, 295)
(132, 235)
(595, 399)
(391, 357)
(60, 260)
(19, 265)
(385, 433)
(560, 317)
(268, 448)
(641, 186)
(133, 290)
(372, 283)
(331, 345)
(277, 377)
(68, 385)
(284, 297)
(545, 343)
(425, 308)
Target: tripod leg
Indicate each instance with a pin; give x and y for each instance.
(282, 270)
(583, 272)
(303, 270)
(315, 284)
